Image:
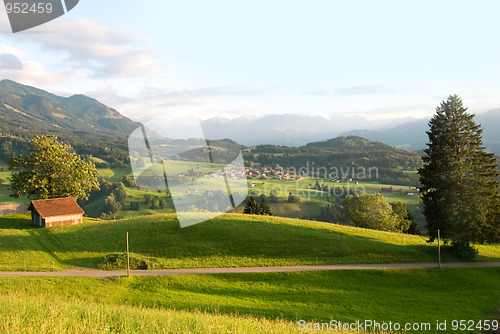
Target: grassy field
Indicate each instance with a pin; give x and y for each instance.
(247, 303)
(230, 303)
(5, 192)
(316, 199)
(52, 314)
(230, 240)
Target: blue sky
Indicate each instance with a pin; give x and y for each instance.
(376, 59)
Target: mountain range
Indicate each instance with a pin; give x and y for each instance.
(25, 111)
(298, 130)
(289, 129)
(412, 135)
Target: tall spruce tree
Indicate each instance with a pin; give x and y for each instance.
(459, 183)
(265, 209)
(252, 208)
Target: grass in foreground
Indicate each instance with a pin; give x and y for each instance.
(21, 314)
(239, 302)
(231, 240)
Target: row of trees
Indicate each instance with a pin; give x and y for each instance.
(257, 208)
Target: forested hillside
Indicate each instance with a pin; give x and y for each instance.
(341, 153)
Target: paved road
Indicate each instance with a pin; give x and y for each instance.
(163, 272)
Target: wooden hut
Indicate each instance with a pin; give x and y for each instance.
(55, 212)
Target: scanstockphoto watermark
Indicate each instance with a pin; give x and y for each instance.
(389, 326)
(363, 325)
(27, 14)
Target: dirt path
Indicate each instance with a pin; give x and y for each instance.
(163, 272)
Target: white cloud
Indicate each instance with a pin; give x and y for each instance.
(102, 51)
(194, 96)
(9, 61)
(14, 66)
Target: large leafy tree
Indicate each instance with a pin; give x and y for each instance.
(459, 183)
(371, 211)
(50, 170)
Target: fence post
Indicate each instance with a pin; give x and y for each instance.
(439, 248)
(128, 259)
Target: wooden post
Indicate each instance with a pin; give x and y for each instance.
(128, 260)
(439, 248)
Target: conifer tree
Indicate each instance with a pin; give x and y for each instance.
(265, 209)
(251, 208)
(459, 183)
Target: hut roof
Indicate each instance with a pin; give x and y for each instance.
(56, 207)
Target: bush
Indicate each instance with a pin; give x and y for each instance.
(128, 181)
(135, 205)
(162, 204)
(272, 197)
(119, 262)
(371, 211)
(293, 198)
(464, 252)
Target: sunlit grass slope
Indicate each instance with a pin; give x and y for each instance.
(228, 240)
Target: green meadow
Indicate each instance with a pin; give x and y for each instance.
(231, 303)
(247, 303)
(5, 197)
(230, 240)
(305, 190)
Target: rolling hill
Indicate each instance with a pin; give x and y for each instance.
(349, 153)
(230, 240)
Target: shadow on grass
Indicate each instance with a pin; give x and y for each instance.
(227, 238)
(16, 222)
(406, 294)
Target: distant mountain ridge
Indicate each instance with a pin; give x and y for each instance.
(26, 111)
(287, 129)
(298, 130)
(413, 136)
(353, 144)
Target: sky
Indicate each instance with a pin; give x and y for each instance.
(204, 59)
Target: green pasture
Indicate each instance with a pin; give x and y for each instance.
(230, 240)
(252, 302)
